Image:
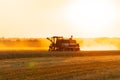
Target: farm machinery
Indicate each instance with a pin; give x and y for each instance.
(58, 43)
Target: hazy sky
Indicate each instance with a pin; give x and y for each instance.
(42, 18)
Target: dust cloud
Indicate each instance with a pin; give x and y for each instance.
(22, 44)
(99, 43)
(43, 44)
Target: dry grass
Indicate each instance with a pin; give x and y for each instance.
(74, 67)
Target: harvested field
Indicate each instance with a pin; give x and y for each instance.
(85, 65)
(37, 53)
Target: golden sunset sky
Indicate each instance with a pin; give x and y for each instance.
(43, 18)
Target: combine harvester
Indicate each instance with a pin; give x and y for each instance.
(58, 43)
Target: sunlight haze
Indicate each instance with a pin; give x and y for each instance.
(42, 18)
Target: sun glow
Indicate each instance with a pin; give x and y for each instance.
(92, 18)
(43, 18)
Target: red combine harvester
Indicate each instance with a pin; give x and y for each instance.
(58, 43)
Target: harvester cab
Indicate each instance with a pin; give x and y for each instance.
(58, 43)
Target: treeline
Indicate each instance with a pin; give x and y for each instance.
(10, 42)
